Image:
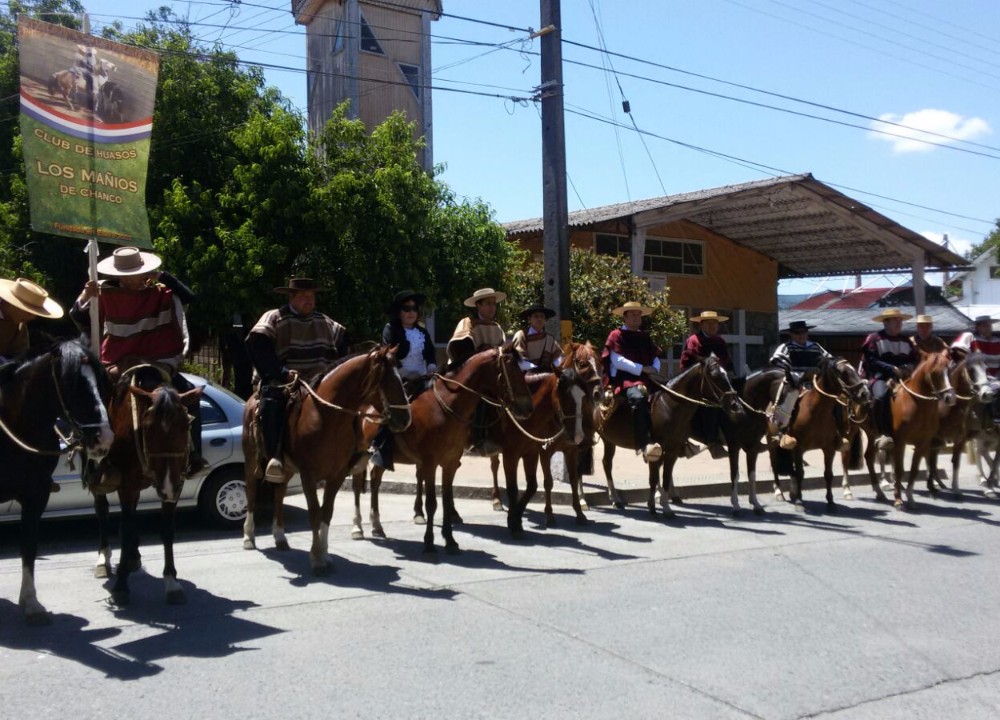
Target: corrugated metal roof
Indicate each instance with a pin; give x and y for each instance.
(948, 320)
(808, 227)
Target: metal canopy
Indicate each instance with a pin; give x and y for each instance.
(809, 228)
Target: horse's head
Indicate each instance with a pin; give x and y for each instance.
(975, 368)
(717, 388)
(82, 392)
(932, 377)
(385, 380)
(163, 425)
(584, 359)
(575, 406)
(513, 389)
(844, 375)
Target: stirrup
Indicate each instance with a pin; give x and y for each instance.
(652, 452)
(885, 443)
(787, 442)
(275, 471)
(692, 448)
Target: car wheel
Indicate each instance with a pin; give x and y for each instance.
(223, 498)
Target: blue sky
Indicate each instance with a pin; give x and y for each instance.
(923, 64)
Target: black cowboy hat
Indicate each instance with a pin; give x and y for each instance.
(299, 284)
(401, 297)
(983, 319)
(797, 326)
(536, 307)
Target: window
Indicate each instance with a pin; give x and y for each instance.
(994, 272)
(211, 413)
(412, 75)
(674, 257)
(368, 41)
(607, 244)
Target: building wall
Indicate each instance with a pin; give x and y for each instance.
(979, 287)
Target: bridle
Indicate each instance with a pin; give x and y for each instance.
(847, 397)
(372, 416)
(938, 393)
(503, 381)
(720, 397)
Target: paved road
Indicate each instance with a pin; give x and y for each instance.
(868, 613)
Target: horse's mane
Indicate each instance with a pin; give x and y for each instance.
(49, 345)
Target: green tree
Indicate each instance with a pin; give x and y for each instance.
(598, 284)
(991, 241)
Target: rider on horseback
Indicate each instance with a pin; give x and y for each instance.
(798, 357)
(925, 339)
(471, 335)
(697, 347)
(292, 341)
(983, 340)
(630, 356)
(142, 315)
(414, 354)
(21, 301)
(539, 350)
(888, 355)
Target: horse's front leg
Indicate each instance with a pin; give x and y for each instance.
(606, 461)
(102, 569)
(846, 450)
(779, 495)
(425, 476)
(572, 469)
(34, 612)
(956, 461)
(278, 514)
(932, 472)
(734, 475)
(323, 565)
(448, 500)
(914, 467)
(375, 516)
(418, 502)
(897, 466)
(666, 464)
(751, 459)
(515, 509)
(175, 593)
(129, 552)
(358, 486)
(315, 512)
(798, 473)
(495, 471)
(828, 454)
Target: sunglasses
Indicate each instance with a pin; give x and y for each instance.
(409, 308)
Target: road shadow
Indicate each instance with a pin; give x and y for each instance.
(471, 558)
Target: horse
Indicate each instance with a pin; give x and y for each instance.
(916, 417)
(963, 421)
(73, 83)
(757, 392)
(61, 380)
(323, 441)
(560, 411)
(69, 84)
(704, 384)
(151, 425)
(439, 434)
(820, 421)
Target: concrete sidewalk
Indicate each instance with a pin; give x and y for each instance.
(697, 477)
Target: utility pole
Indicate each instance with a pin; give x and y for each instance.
(555, 213)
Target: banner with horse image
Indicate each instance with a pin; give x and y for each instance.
(86, 120)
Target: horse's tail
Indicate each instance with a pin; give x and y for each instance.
(854, 453)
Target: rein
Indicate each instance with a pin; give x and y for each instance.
(704, 379)
(917, 395)
(545, 442)
(489, 401)
(378, 418)
(72, 442)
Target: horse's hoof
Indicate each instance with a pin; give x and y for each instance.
(176, 597)
(378, 533)
(990, 494)
(675, 500)
(357, 534)
(799, 507)
(911, 505)
(102, 572)
(849, 496)
(498, 506)
(453, 549)
(668, 515)
(582, 519)
(619, 504)
(38, 619)
(736, 512)
(456, 519)
(249, 545)
(120, 598)
(652, 510)
(898, 504)
(550, 521)
(758, 509)
(882, 498)
(831, 507)
(584, 506)
(430, 551)
(959, 497)
(282, 545)
(419, 520)
(322, 570)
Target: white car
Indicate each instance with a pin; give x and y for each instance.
(218, 491)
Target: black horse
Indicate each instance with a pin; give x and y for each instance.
(63, 381)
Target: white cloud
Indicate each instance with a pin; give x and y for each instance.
(927, 121)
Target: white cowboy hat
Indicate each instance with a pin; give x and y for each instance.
(709, 315)
(924, 319)
(484, 294)
(890, 313)
(632, 306)
(30, 297)
(128, 261)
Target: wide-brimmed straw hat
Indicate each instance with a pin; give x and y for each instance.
(890, 313)
(401, 297)
(709, 315)
(30, 297)
(632, 306)
(299, 285)
(128, 261)
(484, 294)
(924, 319)
(536, 308)
(797, 326)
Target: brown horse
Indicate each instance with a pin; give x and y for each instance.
(820, 422)
(58, 381)
(916, 417)
(560, 411)
(745, 432)
(962, 421)
(323, 441)
(672, 408)
(439, 434)
(151, 426)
